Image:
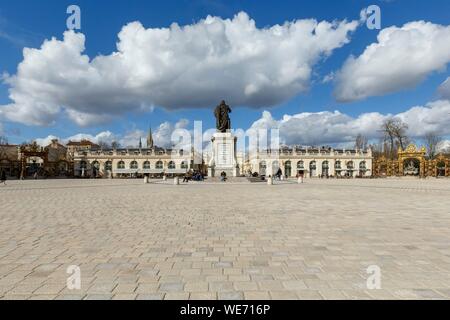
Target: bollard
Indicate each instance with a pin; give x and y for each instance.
(145, 179)
(269, 181)
(164, 178)
(300, 180)
(176, 181)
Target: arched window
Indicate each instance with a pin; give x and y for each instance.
(262, 168)
(121, 165)
(362, 165)
(96, 165)
(312, 169)
(287, 168)
(184, 165)
(337, 165)
(350, 165)
(146, 165)
(133, 165)
(108, 166)
(301, 165)
(325, 168)
(171, 165)
(275, 167)
(159, 165)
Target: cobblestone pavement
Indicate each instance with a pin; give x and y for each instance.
(225, 241)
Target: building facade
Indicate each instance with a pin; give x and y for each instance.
(86, 159)
(131, 162)
(312, 162)
(309, 162)
(9, 160)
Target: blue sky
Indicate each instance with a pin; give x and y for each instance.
(29, 23)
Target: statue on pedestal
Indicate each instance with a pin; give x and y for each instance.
(221, 113)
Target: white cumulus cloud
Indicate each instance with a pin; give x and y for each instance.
(104, 136)
(401, 58)
(307, 128)
(195, 65)
(444, 146)
(337, 128)
(161, 136)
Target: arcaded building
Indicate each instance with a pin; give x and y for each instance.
(311, 162)
(308, 162)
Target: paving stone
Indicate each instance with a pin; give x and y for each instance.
(70, 297)
(152, 296)
(171, 287)
(16, 297)
(283, 295)
(257, 295)
(203, 296)
(264, 243)
(49, 289)
(245, 286)
(124, 296)
(43, 297)
(294, 285)
(231, 295)
(221, 286)
(98, 297)
(176, 296)
(147, 287)
(196, 287)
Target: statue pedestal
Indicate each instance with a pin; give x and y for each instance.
(223, 155)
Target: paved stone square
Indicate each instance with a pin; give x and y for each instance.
(225, 241)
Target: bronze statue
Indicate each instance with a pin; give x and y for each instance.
(221, 112)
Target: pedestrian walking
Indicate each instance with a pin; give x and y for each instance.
(3, 177)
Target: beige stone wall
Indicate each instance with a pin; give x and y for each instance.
(271, 163)
(101, 160)
(56, 152)
(9, 152)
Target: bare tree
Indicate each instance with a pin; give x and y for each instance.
(361, 142)
(104, 145)
(394, 130)
(432, 141)
(115, 145)
(378, 148)
(389, 136)
(399, 130)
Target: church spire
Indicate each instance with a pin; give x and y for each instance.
(140, 143)
(150, 139)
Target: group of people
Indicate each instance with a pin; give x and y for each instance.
(193, 175)
(278, 174)
(223, 176)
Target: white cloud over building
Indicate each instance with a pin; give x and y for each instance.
(334, 128)
(401, 58)
(175, 67)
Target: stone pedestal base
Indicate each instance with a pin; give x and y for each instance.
(223, 155)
